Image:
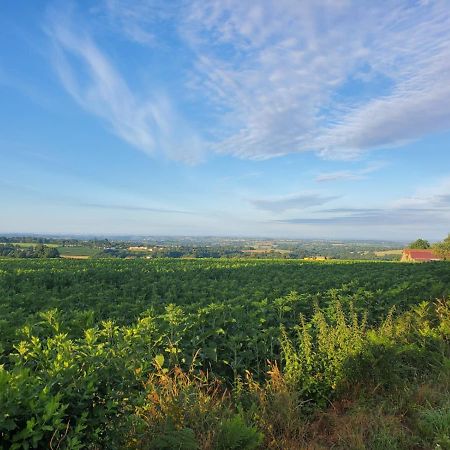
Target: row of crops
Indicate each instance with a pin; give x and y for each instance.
(80, 340)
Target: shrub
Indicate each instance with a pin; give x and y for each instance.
(434, 425)
(314, 364)
(328, 356)
(234, 434)
(179, 406)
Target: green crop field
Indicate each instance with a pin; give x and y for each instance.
(77, 251)
(221, 353)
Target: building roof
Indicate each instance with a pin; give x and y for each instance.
(421, 255)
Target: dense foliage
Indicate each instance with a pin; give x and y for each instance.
(442, 249)
(169, 354)
(419, 244)
(33, 251)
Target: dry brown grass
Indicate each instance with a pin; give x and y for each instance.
(388, 252)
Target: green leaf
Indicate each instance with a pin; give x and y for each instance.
(159, 360)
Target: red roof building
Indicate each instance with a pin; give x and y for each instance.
(413, 255)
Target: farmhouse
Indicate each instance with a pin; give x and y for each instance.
(413, 255)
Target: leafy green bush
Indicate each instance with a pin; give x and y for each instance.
(234, 434)
(331, 355)
(59, 389)
(31, 414)
(434, 425)
(314, 364)
(173, 439)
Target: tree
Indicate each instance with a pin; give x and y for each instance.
(51, 252)
(419, 244)
(442, 249)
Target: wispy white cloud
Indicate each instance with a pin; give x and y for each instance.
(148, 122)
(429, 205)
(372, 218)
(343, 175)
(133, 19)
(138, 20)
(135, 208)
(338, 77)
(432, 195)
(291, 202)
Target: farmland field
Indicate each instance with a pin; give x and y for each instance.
(74, 251)
(123, 290)
(92, 335)
(389, 252)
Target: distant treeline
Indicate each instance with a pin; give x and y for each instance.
(63, 242)
(33, 251)
(171, 252)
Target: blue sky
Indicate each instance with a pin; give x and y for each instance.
(286, 118)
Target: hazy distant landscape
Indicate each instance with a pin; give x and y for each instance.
(208, 247)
